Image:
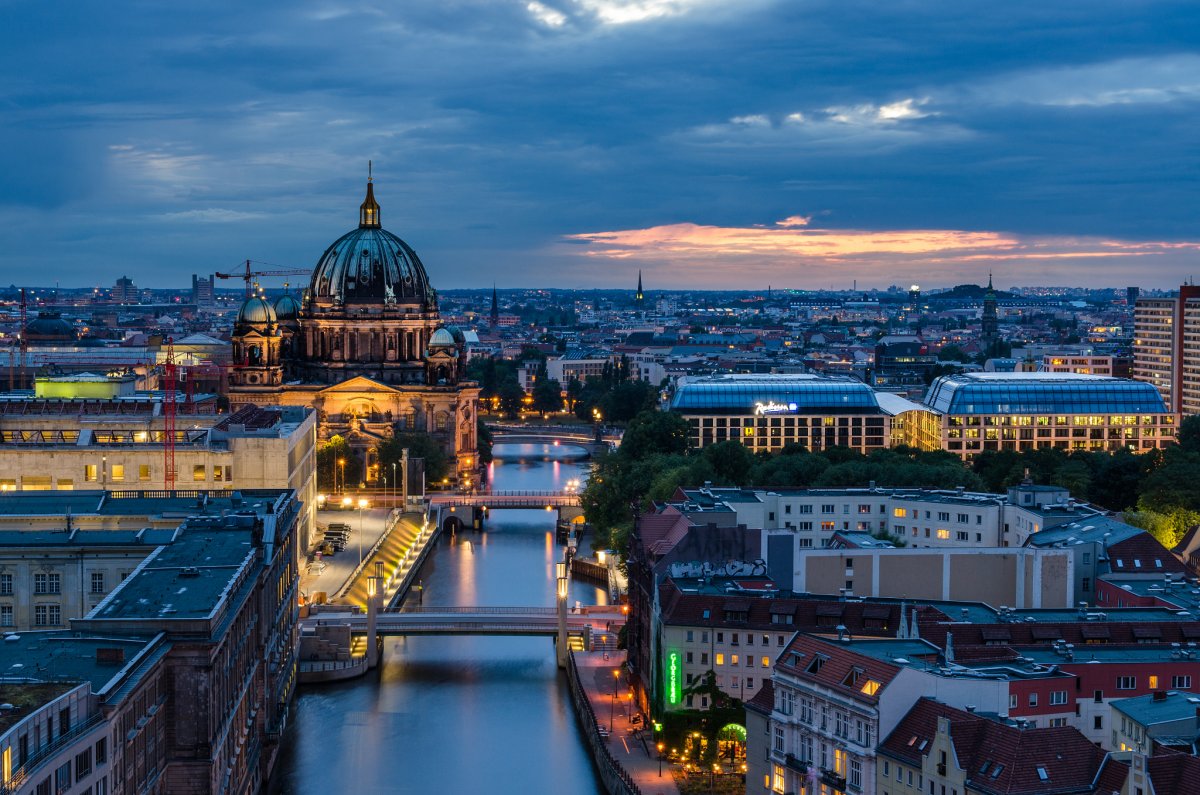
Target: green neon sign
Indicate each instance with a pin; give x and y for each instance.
(673, 677)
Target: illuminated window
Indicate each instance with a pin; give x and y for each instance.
(143, 472)
(870, 687)
(899, 512)
(720, 659)
(118, 472)
(198, 473)
(733, 659)
(777, 780)
(1153, 682)
(90, 473)
(766, 662)
(943, 534)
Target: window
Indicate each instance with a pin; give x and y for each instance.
(704, 658)
(1087, 584)
(118, 471)
(690, 636)
(62, 778)
(688, 656)
(1012, 700)
(47, 583)
(720, 637)
(47, 615)
(143, 471)
(720, 659)
(943, 534)
(1033, 699)
(1153, 682)
(1181, 682)
(83, 764)
(218, 474)
(1126, 682)
(766, 662)
(1058, 697)
(779, 739)
(1098, 722)
(6, 584)
(90, 473)
(198, 473)
(6, 615)
(777, 779)
(97, 582)
(855, 779)
(101, 750)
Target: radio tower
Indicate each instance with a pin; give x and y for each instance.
(169, 417)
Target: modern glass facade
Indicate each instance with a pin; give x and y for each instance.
(1019, 411)
(767, 412)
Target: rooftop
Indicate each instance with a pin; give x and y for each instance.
(1042, 393)
(770, 394)
(61, 658)
(1160, 707)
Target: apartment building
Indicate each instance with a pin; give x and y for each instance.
(1166, 347)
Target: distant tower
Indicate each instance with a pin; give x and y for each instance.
(991, 323)
(494, 317)
(639, 298)
(1131, 295)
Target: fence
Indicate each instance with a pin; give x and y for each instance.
(614, 777)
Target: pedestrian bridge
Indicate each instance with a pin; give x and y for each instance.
(460, 621)
(573, 436)
(506, 499)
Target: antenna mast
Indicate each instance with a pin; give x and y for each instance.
(169, 417)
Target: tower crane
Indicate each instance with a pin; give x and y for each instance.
(248, 275)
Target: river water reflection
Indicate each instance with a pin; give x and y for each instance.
(459, 714)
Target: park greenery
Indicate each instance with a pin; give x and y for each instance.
(1156, 491)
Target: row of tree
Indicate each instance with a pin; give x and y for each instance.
(1156, 490)
(341, 466)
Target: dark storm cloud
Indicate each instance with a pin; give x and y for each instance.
(160, 140)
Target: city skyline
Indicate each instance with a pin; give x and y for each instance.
(572, 144)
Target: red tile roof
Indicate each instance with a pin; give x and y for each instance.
(1142, 554)
(835, 670)
(1178, 774)
(1000, 759)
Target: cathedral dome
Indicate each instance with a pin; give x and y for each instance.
(441, 337)
(287, 307)
(256, 310)
(370, 265)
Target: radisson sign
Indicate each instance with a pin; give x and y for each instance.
(771, 407)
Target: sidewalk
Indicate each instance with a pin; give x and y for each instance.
(637, 756)
(335, 570)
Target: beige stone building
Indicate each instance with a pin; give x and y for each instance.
(364, 347)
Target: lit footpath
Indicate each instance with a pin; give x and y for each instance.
(635, 753)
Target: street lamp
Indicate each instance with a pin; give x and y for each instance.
(342, 466)
(613, 707)
(660, 758)
(362, 503)
(394, 483)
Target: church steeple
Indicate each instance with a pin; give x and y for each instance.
(639, 297)
(494, 318)
(368, 211)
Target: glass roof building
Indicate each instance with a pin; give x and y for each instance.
(1017, 411)
(767, 412)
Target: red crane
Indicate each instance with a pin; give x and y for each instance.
(169, 417)
(249, 275)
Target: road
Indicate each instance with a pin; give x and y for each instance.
(331, 573)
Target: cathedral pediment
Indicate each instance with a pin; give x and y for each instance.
(359, 385)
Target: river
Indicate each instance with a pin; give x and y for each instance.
(459, 714)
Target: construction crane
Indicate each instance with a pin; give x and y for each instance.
(249, 276)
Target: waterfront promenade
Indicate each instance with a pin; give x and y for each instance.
(638, 756)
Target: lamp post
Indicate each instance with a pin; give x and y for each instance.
(342, 467)
(362, 503)
(660, 758)
(613, 707)
(394, 484)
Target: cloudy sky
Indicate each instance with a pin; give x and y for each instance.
(569, 143)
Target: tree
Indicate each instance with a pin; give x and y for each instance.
(655, 432)
(330, 471)
(483, 441)
(547, 395)
(420, 445)
(731, 462)
(511, 397)
(1188, 436)
(953, 353)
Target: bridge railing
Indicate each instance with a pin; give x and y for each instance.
(482, 611)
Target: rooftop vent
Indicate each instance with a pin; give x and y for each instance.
(189, 571)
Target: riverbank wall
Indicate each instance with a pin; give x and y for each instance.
(612, 776)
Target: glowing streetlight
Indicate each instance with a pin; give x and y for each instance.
(613, 707)
(660, 758)
(342, 467)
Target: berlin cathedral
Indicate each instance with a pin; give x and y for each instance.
(364, 346)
